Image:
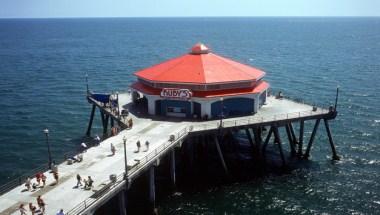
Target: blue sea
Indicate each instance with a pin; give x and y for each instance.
(43, 64)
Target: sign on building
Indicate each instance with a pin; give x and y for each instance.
(175, 93)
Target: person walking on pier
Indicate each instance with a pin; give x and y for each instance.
(88, 183)
(38, 178)
(113, 149)
(41, 204)
(43, 178)
(147, 145)
(22, 209)
(60, 212)
(97, 140)
(56, 177)
(79, 180)
(32, 208)
(28, 183)
(138, 146)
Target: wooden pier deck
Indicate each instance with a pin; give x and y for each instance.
(99, 164)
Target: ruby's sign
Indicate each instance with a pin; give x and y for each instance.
(176, 93)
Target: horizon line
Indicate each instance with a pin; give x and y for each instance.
(97, 17)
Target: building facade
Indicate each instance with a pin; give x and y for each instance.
(201, 84)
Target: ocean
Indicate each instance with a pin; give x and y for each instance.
(43, 64)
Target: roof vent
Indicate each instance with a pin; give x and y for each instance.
(199, 48)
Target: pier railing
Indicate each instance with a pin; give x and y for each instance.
(110, 186)
(257, 119)
(19, 180)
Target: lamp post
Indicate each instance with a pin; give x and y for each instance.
(221, 112)
(46, 131)
(125, 158)
(125, 174)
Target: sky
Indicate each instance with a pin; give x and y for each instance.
(185, 8)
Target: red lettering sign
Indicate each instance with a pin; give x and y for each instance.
(176, 93)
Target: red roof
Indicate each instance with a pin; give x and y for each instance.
(202, 67)
(206, 94)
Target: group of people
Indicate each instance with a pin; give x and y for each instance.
(40, 177)
(87, 183)
(138, 144)
(41, 207)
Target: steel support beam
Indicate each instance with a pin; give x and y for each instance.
(307, 152)
(277, 140)
(91, 120)
(334, 154)
(220, 154)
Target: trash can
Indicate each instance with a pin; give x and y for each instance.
(113, 178)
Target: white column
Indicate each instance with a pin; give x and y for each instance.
(206, 108)
(151, 104)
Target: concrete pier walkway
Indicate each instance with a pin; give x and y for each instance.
(100, 164)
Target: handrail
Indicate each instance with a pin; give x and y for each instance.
(257, 119)
(19, 180)
(120, 178)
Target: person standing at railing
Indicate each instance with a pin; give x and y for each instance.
(43, 178)
(97, 140)
(28, 183)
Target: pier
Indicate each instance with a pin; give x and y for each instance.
(197, 99)
(163, 134)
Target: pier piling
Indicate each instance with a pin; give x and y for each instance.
(300, 143)
(91, 119)
(152, 188)
(277, 139)
(307, 152)
(172, 168)
(220, 154)
(334, 154)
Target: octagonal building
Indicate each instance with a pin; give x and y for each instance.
(201, 84)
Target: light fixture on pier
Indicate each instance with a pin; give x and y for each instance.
(221, 112)
(46, 132)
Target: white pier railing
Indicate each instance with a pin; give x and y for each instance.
(114, 186)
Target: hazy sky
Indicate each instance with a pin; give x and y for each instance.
(167, 8)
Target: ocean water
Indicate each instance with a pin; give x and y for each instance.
(43, 63)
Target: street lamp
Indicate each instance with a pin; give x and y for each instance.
(221, 111)
(125, 174)
(125, 159)
(46, 131)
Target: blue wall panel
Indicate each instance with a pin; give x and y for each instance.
(233, 107)
(175, 103)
